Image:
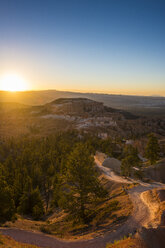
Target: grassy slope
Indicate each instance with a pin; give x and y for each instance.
(7, 242)
(109, 215)
(127, 243)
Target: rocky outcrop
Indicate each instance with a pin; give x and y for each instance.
(84, 106)
(156, 172)
(152, 237)
(76, 106)
(113, 164)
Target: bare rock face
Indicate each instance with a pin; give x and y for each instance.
(83, 107)
(162, 223)
(161, 194)
(76, 106)
(156, 172)
(153, 237)
(113, 164)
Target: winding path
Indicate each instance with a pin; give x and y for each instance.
(140, 217)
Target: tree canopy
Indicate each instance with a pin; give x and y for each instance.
(152, 148)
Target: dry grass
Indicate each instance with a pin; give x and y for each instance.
(127, 243)
(25, 224)
(108, 216)
(7, 242)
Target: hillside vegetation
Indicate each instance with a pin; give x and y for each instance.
(127, 243)
(48, 177)
(7, 242)
(54, 180)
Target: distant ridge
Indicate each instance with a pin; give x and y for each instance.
(83, 105)
(146, 105)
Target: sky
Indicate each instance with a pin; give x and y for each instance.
(109, 46)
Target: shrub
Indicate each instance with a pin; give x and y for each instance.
(37, 212)
(45, 229)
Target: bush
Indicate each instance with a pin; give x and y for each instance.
(37, 212)
(14, 218)
(45, 229)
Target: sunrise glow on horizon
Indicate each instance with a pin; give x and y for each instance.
(115, 47)
(12, 83)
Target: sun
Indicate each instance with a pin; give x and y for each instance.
(11, 82)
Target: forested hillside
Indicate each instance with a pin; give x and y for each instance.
(40, 174)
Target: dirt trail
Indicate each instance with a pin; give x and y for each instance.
(110, 175)
(140, 217)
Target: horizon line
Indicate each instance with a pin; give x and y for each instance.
(82, 92)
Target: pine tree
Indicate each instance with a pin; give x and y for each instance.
(82, 186)
(130, 160)
(152, 149)
(31, 202)
(6, 201)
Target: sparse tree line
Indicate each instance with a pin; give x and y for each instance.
(40, 174)
(132, 161)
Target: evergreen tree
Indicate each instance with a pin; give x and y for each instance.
(82, 186)
(152, 149)
(130, 160)
(108, 147)
(6, 201)
(31, 202)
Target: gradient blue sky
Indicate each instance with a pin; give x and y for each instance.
(112, 46)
